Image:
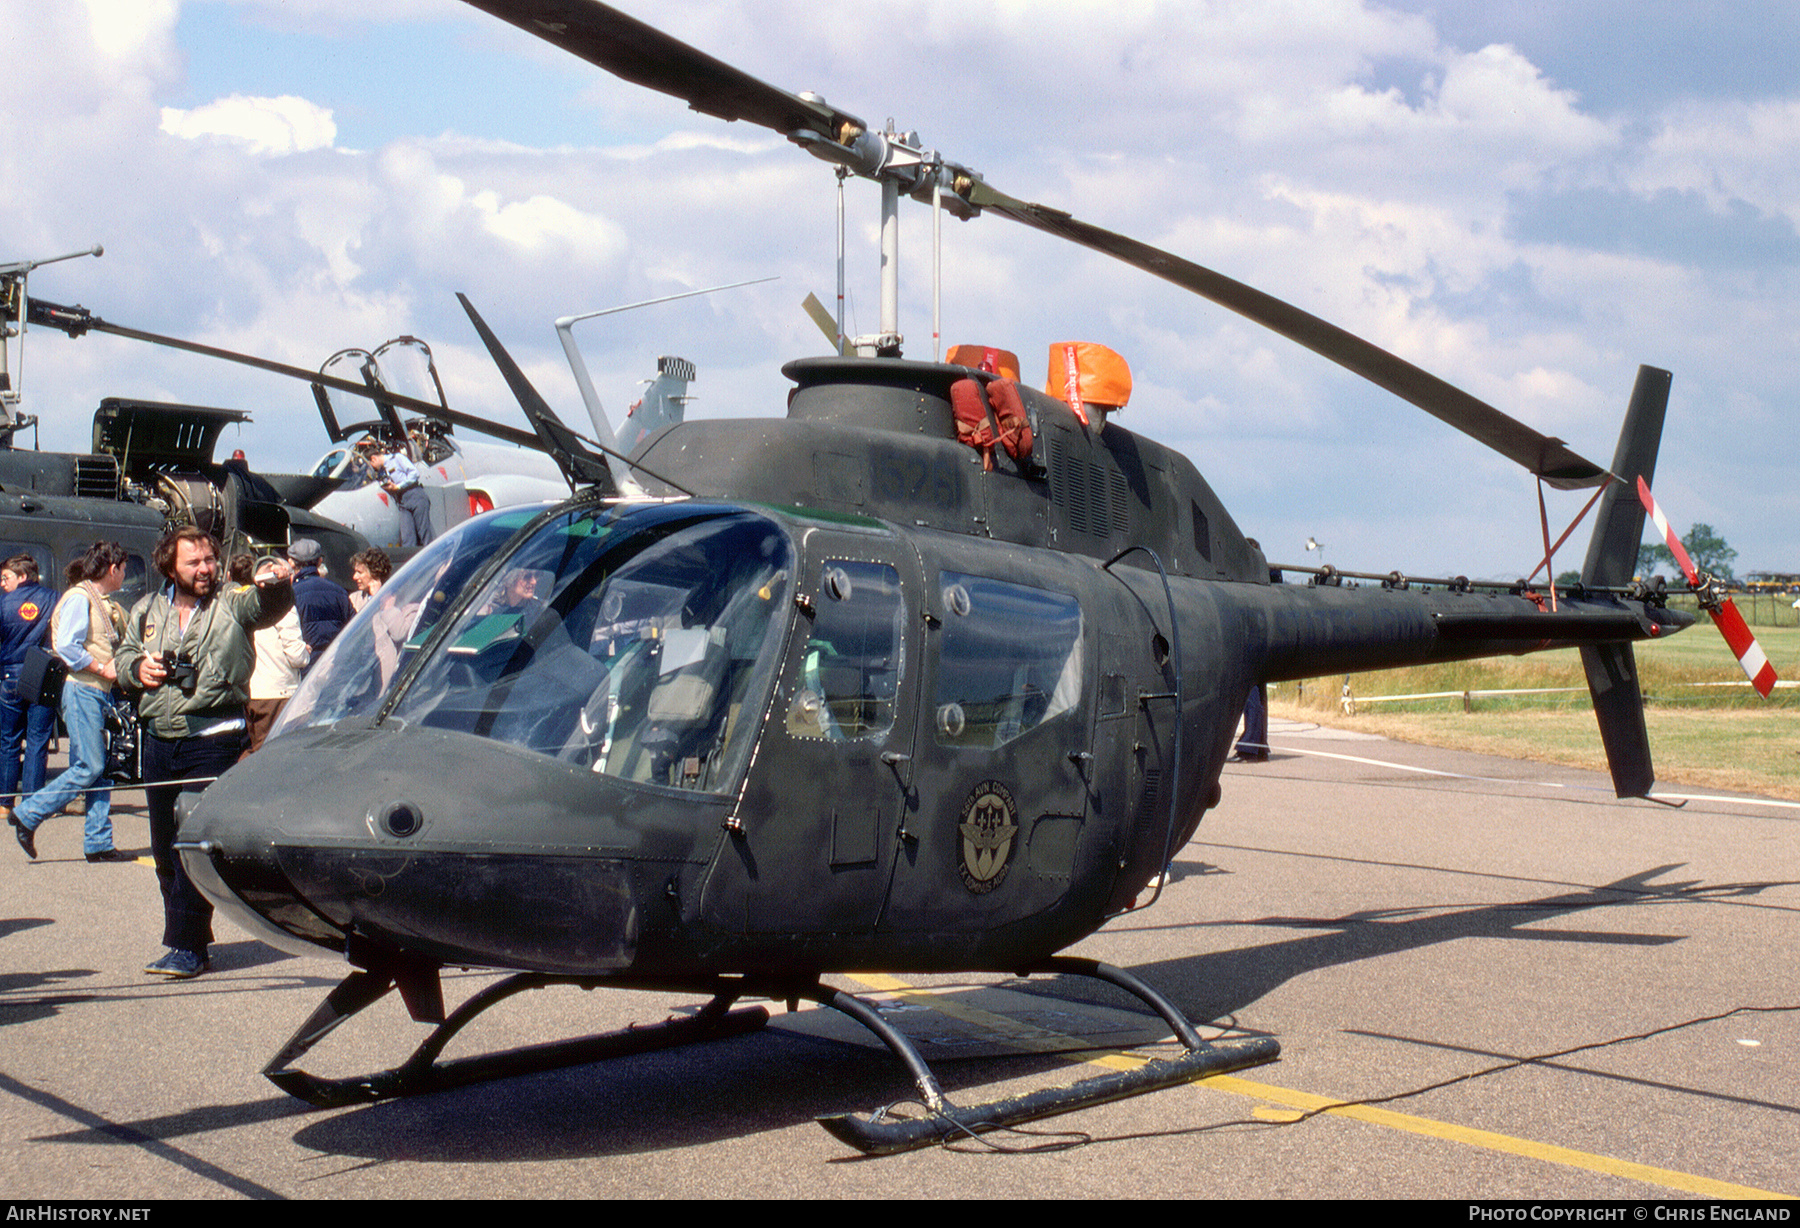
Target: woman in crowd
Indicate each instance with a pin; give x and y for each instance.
(369, 569)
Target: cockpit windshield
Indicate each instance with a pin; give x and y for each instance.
(635, 642)
(354, 674)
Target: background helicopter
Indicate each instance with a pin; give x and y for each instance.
(852, 689)
(151, 464)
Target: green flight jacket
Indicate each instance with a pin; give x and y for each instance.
(217, 641)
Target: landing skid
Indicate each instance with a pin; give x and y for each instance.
(878, 1134)
(873, 1134)
(422, 1072)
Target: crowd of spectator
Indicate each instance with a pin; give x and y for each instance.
(188, 681)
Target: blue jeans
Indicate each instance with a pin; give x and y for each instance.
(1255, 742)
(32, 724)
(84, 712)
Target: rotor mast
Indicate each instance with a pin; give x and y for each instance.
(899, 163)
(13, 283)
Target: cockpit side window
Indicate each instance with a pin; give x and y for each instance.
(1010, 659)
(851, 669)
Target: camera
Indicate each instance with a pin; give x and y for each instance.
(182, 673)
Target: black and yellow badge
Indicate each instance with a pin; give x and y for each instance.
(989, 826)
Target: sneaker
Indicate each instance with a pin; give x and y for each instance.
(109, 855)
(179, 965)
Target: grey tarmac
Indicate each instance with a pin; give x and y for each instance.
(1411, 923)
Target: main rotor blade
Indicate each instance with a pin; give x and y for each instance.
(646, 56)
(579, 465)
(1543, 455)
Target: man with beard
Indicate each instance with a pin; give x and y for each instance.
(188, 656)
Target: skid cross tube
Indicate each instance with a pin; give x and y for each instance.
(878, 1134)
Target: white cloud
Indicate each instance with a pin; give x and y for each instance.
(1497, 90)
(281, 125)
(1727, 151)
(127, 31)
(543, 224)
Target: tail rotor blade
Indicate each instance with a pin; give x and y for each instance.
(1724, 612)
(1668, 532)
(1744, 647)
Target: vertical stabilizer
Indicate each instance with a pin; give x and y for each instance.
(1611, 669)
(1612, 554)
(664, 402)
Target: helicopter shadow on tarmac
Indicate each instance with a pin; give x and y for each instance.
(22, 999)
(14, 1009)
(771, 1080)
(1218, 985)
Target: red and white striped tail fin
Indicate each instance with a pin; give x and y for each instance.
(1724, 613)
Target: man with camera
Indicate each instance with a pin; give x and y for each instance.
(188, 657)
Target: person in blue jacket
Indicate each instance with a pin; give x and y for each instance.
(25, 727)
(85, 629)
(322, 603)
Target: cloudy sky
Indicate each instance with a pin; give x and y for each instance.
(1526, 199)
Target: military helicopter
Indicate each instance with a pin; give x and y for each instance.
(933, 675)
(152, 464)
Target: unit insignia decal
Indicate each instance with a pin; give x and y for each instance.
(990, 824)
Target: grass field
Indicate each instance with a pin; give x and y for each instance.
(1721, 737)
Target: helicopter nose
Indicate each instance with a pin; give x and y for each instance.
(252, 891)
(441, 843)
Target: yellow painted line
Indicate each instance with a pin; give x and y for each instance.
(1042, 1041)
(1489, 1141)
